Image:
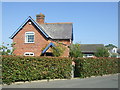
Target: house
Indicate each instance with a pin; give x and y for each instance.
(34, 38)
(88, 50)
(112, 49)
(118, 51)
(113, 52)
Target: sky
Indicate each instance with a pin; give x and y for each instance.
(93, 22)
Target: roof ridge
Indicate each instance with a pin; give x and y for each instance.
(21, 26)
(59, 23)
(91, 44)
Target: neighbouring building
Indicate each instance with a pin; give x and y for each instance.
(118, 51)
(89, 50)
(113, 52)
(34, 38)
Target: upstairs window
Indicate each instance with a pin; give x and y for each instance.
(29, 37)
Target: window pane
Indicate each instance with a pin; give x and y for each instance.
(29, 54)
(26, 54)
(30, 38)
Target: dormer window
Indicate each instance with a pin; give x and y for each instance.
(29, 37)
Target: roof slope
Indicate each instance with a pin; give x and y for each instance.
(58, 30)
(90, 47)
(48, 46)
(23, 24)
(51, 30)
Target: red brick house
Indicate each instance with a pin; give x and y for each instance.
(32, 36)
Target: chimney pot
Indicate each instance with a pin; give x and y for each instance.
(40, 18)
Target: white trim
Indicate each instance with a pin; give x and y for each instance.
(36, 24)
(88, 55)
(31, 34)
(70, 41)
(29, 54)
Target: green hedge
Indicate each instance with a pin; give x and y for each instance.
(16, 68)
(87, 67)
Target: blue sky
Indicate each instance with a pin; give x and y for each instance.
(93, 22)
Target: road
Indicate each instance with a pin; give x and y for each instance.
(109, 81)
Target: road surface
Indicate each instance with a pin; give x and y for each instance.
(109, 81)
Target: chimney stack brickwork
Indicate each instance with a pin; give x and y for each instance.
(40, 18)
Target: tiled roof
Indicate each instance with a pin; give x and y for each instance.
(58, 30)
(51, 30)
(23, 24)
(90, 47)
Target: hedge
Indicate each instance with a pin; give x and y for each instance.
(87, 67)
(16, 68)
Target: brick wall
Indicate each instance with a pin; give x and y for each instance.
(21, 47)
(40, 42)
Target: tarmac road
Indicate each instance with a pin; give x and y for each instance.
(108, 81)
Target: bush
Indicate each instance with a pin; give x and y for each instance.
(102, 52)
(86, 67)
(58, 50)
(16, 68)
(75, 51)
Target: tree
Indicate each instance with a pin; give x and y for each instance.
(110, 46)
(4, 50)
(75, 51)
(102, 52)
(58, 50)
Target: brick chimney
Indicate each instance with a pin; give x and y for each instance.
(40, 18)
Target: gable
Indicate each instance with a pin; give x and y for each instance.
(20, 28)
(50, 30)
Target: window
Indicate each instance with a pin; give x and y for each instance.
(88, 55)
(28, 54)
(29, 37)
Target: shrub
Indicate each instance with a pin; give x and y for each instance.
(58, 50)
(4, 50)
(102, 52)
(86, 67)
(75, 51)
(20, 68)
(114, 54)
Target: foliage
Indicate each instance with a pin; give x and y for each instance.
(16, 68)
(4, 50)
(102, 52)
(87, 67)
(75, 51)
(110, 46)
(58, 50)
(114, 54)
(12, 45)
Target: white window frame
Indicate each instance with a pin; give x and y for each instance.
(28, 53)
(26, 33)
(88, 55)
